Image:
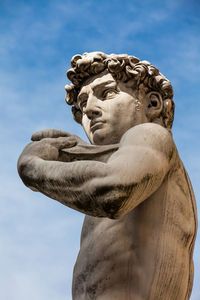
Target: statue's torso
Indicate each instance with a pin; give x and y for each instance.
(146, 254)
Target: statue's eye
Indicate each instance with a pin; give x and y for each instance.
(107, 94)
(82, 100)
(82, 104)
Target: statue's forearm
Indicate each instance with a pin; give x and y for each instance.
(83, 185)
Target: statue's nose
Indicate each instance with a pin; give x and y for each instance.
(92, 109)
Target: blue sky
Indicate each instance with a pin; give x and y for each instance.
(39, 238)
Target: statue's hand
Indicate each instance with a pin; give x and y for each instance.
(48, 148)
(51, 133)
(80, 150)
(61, 141)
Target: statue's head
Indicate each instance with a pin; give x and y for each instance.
(110, 94)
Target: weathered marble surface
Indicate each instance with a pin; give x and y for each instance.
(138, 235)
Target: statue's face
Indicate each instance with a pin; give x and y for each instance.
(109, 109)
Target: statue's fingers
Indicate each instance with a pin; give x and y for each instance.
(49, 133)
(41, 134)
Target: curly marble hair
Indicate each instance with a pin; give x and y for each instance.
(129, 69)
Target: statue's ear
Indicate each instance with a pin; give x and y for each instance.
(154, 105)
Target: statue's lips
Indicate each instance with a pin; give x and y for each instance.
(96, 125)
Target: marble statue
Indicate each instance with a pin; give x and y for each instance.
(139, 230)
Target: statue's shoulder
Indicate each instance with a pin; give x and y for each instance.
(150, 135)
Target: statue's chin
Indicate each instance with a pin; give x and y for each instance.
(101, 137)
(98, 138)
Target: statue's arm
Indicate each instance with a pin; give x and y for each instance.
(102, 189)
